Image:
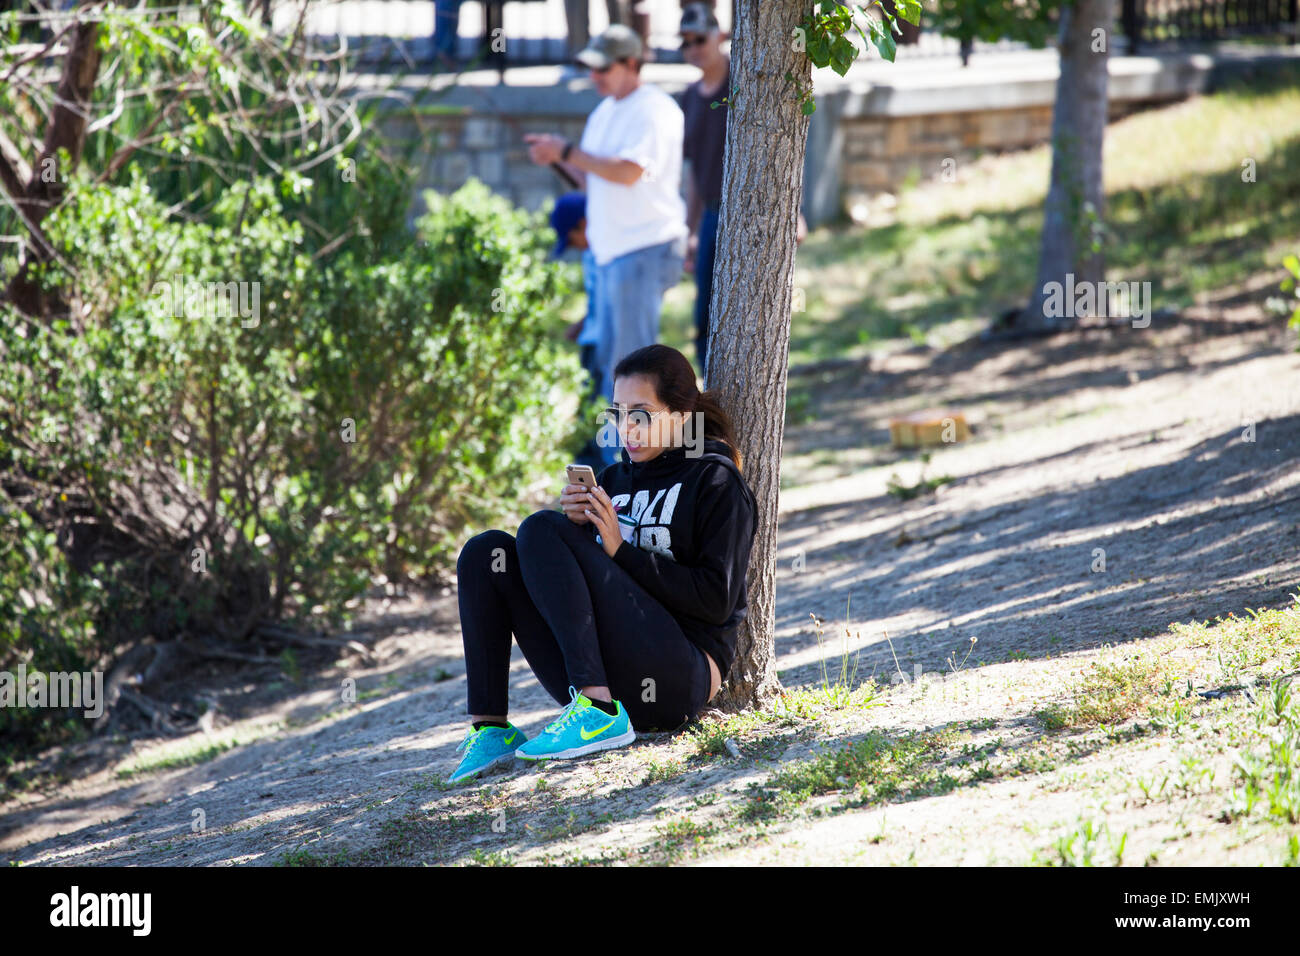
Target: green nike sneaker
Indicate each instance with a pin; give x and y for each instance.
(486, 747)
(580, 729)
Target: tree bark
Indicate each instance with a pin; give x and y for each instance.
(749, 340)
(1075, 207)
(46, 187)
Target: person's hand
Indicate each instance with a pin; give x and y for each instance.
(800, 230)
(692, 247)
(602, 515)
(575, 500)
(571, 333)
(544, 148)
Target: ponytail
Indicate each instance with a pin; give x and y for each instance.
(717, 424)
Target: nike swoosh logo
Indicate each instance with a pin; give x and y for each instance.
(596, 733)
(512, 736)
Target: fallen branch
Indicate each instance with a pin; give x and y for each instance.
(286, 636)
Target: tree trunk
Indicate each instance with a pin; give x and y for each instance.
(46, 187)
(749, 340)
(1074, 211)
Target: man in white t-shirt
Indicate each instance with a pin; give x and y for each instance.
(630, 164)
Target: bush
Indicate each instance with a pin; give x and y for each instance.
(178, 467)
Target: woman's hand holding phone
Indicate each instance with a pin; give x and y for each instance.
(575, 500)
(602, 514)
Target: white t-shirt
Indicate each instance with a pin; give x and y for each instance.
(646, 126)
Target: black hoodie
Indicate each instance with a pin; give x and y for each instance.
(691, 529)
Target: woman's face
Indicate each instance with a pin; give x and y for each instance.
(642, 444)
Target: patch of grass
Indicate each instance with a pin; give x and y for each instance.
(811, 703)
(676, 837)
(924, 486)
(796, 707)
(483, 858)
(566, 823)
(1269, 776)
(1089, 843)
(606, 857)
(876, 768)
(1241, 644)
(304, 857)
(709, 737)
(656, 771)
(423, 837)
(1235, 649)
(1109, 693)
(1054, 716)
(188, 752)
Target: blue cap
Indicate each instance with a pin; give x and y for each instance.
(569, 210)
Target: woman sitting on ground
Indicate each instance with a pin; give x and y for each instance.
(626, 603)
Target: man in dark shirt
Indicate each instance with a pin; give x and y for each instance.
(703, 146)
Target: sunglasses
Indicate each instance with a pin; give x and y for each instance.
(600, 69)
(688, 42)
(636, 417)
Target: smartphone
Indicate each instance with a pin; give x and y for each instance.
(581, 475)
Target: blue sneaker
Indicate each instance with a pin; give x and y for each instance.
(580, 729)
(486, 747)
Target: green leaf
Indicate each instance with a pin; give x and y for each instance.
(884, 41)
(843, 53)
(1292, 264)
(809, 107)
(819, 50)
(909, 10)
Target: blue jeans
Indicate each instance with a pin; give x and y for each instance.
(629, 293)
(704, 253)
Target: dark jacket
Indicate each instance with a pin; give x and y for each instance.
(692, 528)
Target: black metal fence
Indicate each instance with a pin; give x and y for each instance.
(1148, 23)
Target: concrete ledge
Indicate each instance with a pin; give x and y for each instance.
(870, 130)
(872, 88)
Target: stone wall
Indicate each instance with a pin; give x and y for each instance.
(489, 148)
(881, 153)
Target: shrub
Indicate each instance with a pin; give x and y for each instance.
(196, 469)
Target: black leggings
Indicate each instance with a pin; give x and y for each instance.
(579, 618)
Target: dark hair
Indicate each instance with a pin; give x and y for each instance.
(674, 383)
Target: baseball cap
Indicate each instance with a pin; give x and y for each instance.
(616, 43)
(569, 209)
(698, 18)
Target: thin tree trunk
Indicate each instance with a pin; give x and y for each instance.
(753, 282)
(45, 188)
(1075, 207)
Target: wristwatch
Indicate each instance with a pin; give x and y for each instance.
(568, 148)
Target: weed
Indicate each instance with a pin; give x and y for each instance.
(656, 771)
(923, 486)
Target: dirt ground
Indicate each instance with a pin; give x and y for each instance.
(1171, 448)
